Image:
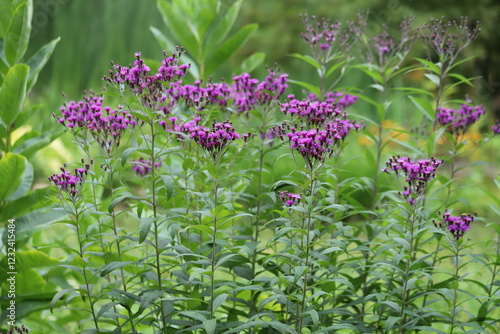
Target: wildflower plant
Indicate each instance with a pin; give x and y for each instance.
(233, 206)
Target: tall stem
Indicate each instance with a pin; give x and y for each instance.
(307, 246)
(84, 271)
(214, 248)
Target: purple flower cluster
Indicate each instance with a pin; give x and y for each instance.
(448, 39)
(214, 140)
(142, 166)
(151, 88)
(457, 225)
(496, 128)
(341, 100)
(200, 97)
(68, 183)
(418, 175)
(290, 199)
(248, 92)
(459, 120)
(106, 125)
(315, 145)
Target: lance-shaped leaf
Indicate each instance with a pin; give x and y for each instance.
(13, 93)
(18, 34)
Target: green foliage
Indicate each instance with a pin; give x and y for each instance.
(203, 29)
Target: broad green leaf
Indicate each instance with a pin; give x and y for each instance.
(32, 142)
(222, 28)
(5, 17)
(210, 325)
(38, 61)
(169, 185)
(433, 78)
(13, 93)
(31, 222)
(18, 34)
(25, 204)
(144, 228)
(176, 21)
(229, 47)
(26, 182)
(205, 13)
(26, 260)
(251, 63)
(12, 168)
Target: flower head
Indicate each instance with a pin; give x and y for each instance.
(418, 175)
(496, 128)
(457, 225)
(290, 199)
(143, 167)
(104, 124)
(69, 183)
(459, 120)
(318, 144)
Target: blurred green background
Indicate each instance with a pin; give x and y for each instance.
(94, 32)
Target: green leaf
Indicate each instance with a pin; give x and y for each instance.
(18, 34)
(210, 325)
(12, 168)
(31, 222)
(38, 61)
(430, 66)
(144, 228)
(108, 268)
(223, 27)
(308, 59)
(313, 89)
(26, 182)
(176, 21)
(251, 63)
(30, 202)
(5, 17)
(148, 298)
(32, 141)
(169, 185)
(27, 260)
(229, 47)
(13, 93)
(58, 296)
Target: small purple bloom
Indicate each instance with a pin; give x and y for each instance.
(457, 225)
(290, 199)
(143, 167)
(496, 128)
(418, 174)
(459, 120)
(69, 183)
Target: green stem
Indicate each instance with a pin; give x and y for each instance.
(214, 248)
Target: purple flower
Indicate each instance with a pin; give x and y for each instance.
(290, 199)
(496, 128)
(18, 330)
(199, 97)
(457, 225)
(313, 112)
(69, 183)
(248, 92)
(150, 87)
(418, 175)
(459, 120)
(214, 140)
(142, 166)
(316, 145)
(106, 125)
